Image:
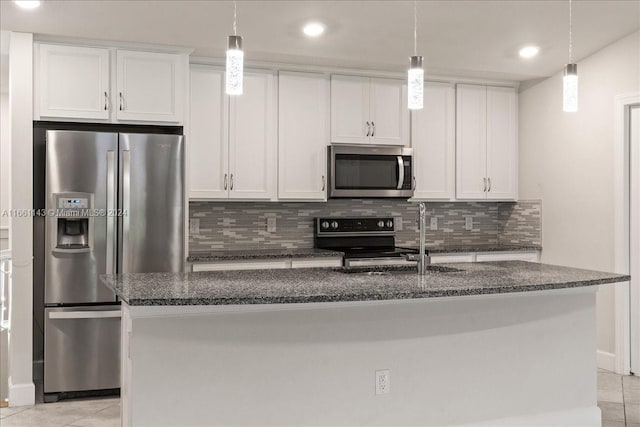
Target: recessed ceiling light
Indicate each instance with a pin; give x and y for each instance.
(529, 51)
(28, 4)
(314, 29)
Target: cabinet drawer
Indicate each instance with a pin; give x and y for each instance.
(242, 265)
(448, 258)
(510, 256)
(316, 263)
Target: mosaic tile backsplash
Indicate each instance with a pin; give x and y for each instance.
(243, 225)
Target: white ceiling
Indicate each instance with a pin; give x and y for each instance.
(463, 38)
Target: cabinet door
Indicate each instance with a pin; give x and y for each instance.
(502, 143)
(303, 135)
(433, 142)
(389, 114)
(252, 140)
(149, 86)
(471, 144)
(207, 137)
(73, 82)
(350, 109)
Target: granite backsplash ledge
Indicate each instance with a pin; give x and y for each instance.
(242, 225)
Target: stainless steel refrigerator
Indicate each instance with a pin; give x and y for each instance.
(115, 204)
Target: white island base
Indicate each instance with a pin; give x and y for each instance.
(507, 359)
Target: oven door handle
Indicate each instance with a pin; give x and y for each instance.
(400, 173)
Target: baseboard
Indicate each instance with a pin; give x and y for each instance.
(606, 360)
(590, 416)
(22, 394)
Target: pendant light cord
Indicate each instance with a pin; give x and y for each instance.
(570, 32)
(415, 28)
(235, 10)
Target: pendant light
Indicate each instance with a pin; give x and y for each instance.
(570, 79)
(235, 60)
(415, 75)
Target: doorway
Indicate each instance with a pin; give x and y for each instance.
(634, 237)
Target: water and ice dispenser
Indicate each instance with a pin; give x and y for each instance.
(74, 222)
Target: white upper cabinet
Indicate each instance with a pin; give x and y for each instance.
(73, 82)
(487, 143)
(231, 141)
(502, 143)
(303, 135)
(433, 143)
(369, 111)
(149, 86)
(108, 85)
(207, 139)
(252, 138)
(388, 112)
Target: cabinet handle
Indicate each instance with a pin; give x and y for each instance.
(106, 101)
(231, 182)
(485, 185)
(489, 179)
(225, 181)
(368, 128)
(323, 183)
(373, 131)
(414, 183)
(121, 101)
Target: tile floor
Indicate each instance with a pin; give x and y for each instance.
(618, 399)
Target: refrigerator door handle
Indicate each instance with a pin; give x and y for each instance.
(84, 314)
(111, 211)
(126, 200)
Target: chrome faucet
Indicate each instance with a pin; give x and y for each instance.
(423, 257)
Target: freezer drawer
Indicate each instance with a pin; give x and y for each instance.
(82, 348)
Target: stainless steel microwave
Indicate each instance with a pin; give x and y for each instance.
(370, 171)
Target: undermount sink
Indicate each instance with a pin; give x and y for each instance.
(388, 270)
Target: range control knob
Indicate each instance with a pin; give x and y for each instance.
(380, 223)
(390, 224)
(325, 224)
(334, 224)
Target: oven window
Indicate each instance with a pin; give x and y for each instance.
(357, 171)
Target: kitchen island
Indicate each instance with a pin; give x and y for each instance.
(495, 343)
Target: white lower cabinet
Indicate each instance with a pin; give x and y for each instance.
(303, 135)
(444, 258)
(268, 264)
(232, 140)
(433, 143)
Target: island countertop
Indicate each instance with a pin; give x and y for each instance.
(332, 285)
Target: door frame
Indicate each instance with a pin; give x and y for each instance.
(622, 228)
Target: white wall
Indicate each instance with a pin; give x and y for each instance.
(5, 168)
(566, 159)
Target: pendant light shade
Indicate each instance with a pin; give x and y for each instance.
(570, 78)
(235, 66)
(415, 83)
(415, 75)
(570, 88)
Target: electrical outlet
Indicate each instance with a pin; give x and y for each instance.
(468, 223)
(434, 223)
(383, 381)
(271, 224)
(194, 226)
(397, 221)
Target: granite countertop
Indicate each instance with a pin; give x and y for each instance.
(332, 285)
(235, 255)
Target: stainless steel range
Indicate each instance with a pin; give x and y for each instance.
(364, 241)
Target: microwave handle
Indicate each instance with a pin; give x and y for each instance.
(400, 173)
